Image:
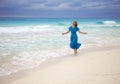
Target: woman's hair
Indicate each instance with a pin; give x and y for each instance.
(75, 22)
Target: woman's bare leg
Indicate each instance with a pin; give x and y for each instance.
(75, 51)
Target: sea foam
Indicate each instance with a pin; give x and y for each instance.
(21, 29)
(111, 22)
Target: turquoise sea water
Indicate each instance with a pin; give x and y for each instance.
(27, 42)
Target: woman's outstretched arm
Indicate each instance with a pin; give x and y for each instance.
(66, 32)
(82, 32)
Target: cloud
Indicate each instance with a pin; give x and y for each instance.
(102, 4)
(93, 5)
(57, 6)
(68, 5)
(60, 6)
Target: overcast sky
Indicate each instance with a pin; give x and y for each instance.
(60, 8)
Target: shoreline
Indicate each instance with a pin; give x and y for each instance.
(18, 77)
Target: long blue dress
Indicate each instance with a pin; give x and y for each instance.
(74, 38)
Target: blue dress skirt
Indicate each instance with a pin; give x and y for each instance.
(74, 38)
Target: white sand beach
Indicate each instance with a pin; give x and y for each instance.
(98, 67)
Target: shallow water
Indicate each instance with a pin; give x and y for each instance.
(25, 43)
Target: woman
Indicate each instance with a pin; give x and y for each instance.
(74, 38)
